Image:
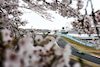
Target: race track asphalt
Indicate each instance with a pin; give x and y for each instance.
(61, 42)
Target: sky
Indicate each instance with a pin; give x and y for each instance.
(37, 22)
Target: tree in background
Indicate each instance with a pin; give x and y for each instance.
(62, 7)
(37, 50)
(83, 24)
(10, 15)
(28, 50)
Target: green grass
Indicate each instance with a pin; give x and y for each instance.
(86, 63)
(81, 47)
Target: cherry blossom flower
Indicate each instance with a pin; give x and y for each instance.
(38, 39)
(37, 56)
(65, 2)
(52, 39)
(58, 50)
(26, 45)
(12, 59)
(48, 46)
(6, 35)
(80, 4)
(66, 54)
(77, 65)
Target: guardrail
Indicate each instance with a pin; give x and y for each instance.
(71, 37)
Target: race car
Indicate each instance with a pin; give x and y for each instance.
(81, 52)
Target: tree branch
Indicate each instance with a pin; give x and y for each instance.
(94, 20)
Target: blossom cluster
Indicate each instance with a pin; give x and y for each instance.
(84, 26)
(63, 7)
(89, 24)
(33, 51)
(10, 14)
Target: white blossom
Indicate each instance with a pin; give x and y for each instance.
(52, 39)
(65, 2)
(77, 65)
(58, 50)
(48, 46)
(12, 59)
(26, 45)
(38, 39)
(6, 35)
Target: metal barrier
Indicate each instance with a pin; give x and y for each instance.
(71, 37)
